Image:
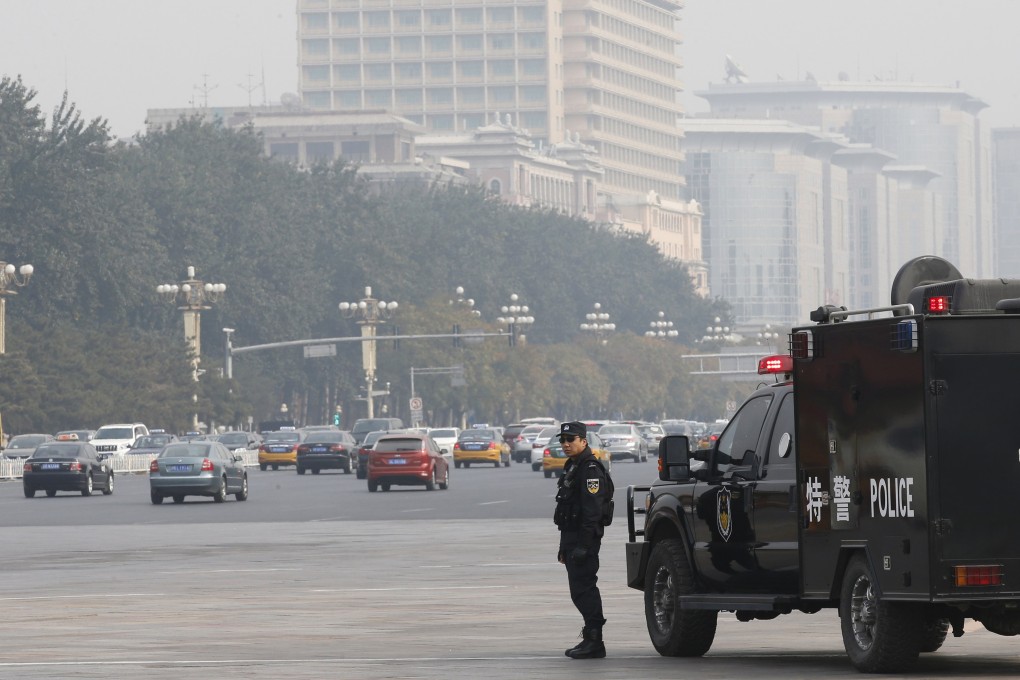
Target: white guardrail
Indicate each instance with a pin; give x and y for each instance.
(11, 468)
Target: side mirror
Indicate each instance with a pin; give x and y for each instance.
(674, 458)
(238, 457)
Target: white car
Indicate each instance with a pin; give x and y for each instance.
(520, 449)
(116, 439)
(445, 438)
(538, 444)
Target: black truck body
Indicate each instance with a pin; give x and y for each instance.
(879, 477)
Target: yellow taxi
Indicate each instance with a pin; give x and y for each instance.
(481, 445)
(553, 458)
(279, 448)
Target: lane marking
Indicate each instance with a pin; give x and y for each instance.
(78, 597)
(493, 502)
(419, 510)
(386, 590)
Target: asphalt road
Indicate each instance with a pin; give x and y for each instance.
(314, 577)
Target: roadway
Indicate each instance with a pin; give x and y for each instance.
(314, 577)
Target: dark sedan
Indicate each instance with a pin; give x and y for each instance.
(327, 450)
(197, 468)
(66, 466)
(151, 444)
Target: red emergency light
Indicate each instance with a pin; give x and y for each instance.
(779, 363)
(938, 304)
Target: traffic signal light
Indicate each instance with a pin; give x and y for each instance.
(336, 419)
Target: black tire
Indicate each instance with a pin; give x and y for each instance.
(373, 487)
(50, 493)
(675, 631)
(300, 470)
(155, 496)
(29, 492)
(879, 636)
(385, 486)
(178, 499)
(347, 467)
(497, 463)
(108, 489)
(362, 473)
(87, 491)
(445, 484)
(242, 495)
(535, 467)
(221, 495)
(430, 485)
(506, 463)
(316, 471)
(263, 466)
(456, 464)
(933, 634)
(548, 474)
(466, 464)
(276, 467)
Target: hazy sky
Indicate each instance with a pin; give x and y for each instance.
(118, 58)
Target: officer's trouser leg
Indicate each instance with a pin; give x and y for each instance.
(584, 592)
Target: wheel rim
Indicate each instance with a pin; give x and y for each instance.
(244, 486)
(663, 600)
(862, 612)
(88, 484)
(109, 483)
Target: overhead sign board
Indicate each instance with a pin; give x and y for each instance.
(313, 351)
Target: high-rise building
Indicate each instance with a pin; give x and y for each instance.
(924, 126)
(605, 73)
(1006, 152)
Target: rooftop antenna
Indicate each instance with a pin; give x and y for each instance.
(265, 99)
(204, 90)
(250, 87)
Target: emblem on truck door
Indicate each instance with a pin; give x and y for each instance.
(723, 515)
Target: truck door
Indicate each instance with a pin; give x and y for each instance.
(978, 459)
(723, 529)
(775, 507)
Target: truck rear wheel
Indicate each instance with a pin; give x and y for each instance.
(879, 636)
(674, 631)
(933, 634)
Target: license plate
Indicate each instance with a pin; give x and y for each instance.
(475, 447)
(179, 468)
(397, 461)
(319, 449)
(50, 466)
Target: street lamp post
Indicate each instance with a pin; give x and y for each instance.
(767, 335)
(370, 313)
(516, 319)
(8, 278)
(718, 333)
(661, 327)
(192, 296)
(228, 356)
(460, 301)
(598, 324)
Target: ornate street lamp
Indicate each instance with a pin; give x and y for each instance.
(661, 327)
(370, 313)
(8, 279)
(598, 324)
(461, 302)
(192, 296)
(515, 319)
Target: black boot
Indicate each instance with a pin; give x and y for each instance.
(591, 646)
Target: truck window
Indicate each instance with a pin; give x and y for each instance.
(782, 448)
(739, 440)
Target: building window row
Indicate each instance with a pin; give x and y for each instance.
(643, 11)
(640, 184)
(428, 46)
(633, 33)
(439, 19)
(632, 107)
(631, 57)
(638, 159)
(639, 84)
(507, 70)
(668, 143)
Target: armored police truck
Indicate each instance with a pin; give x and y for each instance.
(877, 477)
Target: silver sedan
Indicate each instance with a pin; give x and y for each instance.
(197, 468)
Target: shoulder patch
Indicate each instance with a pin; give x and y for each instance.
(593, 485)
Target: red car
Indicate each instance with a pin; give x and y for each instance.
(409, 458)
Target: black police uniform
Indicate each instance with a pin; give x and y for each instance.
(582, 492)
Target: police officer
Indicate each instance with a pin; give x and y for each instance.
(581, 495)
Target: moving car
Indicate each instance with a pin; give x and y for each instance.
(522, 443)
(538, 444)
(365, 448)
(151, 444)
(239, 441)
(652, 434)
(279, 448)
(445, 438)
(327, 450)
(116, 439)
(553, 457)
(24, 445)
(408, 458)
(200, 468)
(74, 435)
(66, 466)
(482, 445)
(624, 441)
(362, 426)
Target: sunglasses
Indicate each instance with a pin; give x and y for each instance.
(567, 438)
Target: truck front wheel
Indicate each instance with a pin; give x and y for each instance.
(879, 636)
(675, 631)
